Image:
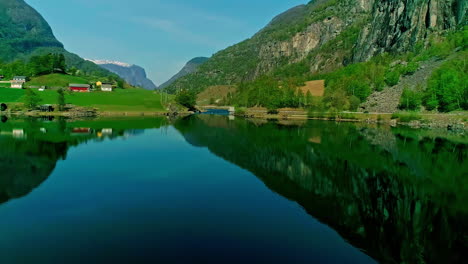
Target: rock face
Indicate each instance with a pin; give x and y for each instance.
(397, 26)
(326, 35)
(189, 68)
(133, 74)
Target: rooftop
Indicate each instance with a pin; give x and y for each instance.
(79, 85)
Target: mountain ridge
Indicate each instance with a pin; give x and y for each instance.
(131, 73)
(190, 67)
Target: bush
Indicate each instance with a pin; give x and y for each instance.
(32, 99)
(186, 98)
(410, 69)
(354, 103)
(273, 111)
(240, 111)
(392, 78)
(406, 117)
(410, 100)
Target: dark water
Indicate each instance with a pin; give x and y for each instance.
(209, 189)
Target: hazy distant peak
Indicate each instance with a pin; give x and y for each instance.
(103, 62)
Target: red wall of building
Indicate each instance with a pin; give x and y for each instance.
(79, 89)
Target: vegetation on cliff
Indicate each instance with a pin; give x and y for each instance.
(339, 41)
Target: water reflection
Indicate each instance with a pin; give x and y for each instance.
(31, 148)
(397, 194)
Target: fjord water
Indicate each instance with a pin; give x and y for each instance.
(213, 189)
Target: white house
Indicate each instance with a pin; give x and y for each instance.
(17, 85)
(18, 82)
(106, 87)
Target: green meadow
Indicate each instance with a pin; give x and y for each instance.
(56, 80)
(121, 100)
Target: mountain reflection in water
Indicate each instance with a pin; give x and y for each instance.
(397, 194)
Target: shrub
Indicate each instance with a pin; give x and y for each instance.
(392, 78)
(240, 111)
(273, 111)
(410, 100)
(410, 69)
(406, 117)
(186, 98)
(32, 99)
(354, 103)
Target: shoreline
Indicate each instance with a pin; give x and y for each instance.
(451, 121)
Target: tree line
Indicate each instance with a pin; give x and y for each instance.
(35, 66)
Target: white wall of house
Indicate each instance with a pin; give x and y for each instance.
(17, 85)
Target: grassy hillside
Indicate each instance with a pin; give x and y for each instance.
(56, 80)
(137, 100)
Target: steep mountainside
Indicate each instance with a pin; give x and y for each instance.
(133, 74)
(326, 35)
(22, 30)
(24, 33)
(189, 68)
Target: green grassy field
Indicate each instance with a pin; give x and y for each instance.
(56, 80)
(128, 100)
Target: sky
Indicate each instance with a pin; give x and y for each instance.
(159, 35)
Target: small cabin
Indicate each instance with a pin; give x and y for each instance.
(80, 88)
(106, 87)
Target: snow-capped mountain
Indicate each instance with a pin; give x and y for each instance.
(133, 74)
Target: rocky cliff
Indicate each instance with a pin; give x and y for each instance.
(328, 34)
(189, 68)
(396, 26)
(133, 74)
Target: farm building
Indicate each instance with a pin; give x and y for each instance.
(80, 87)
(17, 85)
(316, 88)
(18, 82)
(106, 87)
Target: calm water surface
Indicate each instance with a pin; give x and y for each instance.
(213, 189)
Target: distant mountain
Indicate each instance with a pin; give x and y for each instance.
(133, 74)
(189, 68)
(25, 33)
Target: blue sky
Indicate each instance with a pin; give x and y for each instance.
(160, 35)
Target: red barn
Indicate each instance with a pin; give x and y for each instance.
(80, 87)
